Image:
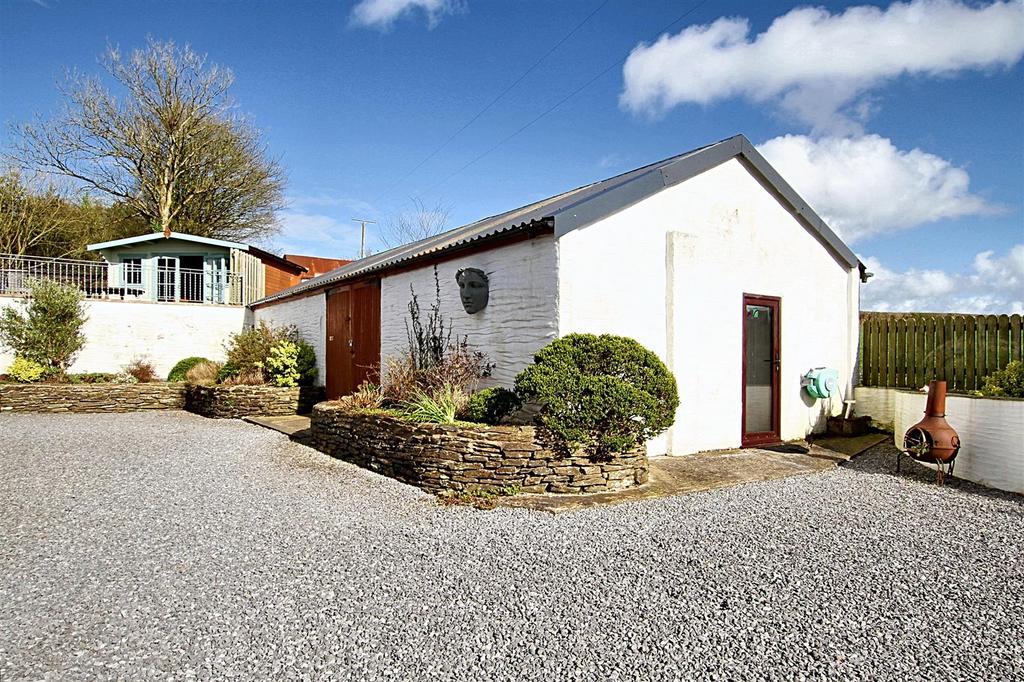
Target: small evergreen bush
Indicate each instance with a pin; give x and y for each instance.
(604, 394)
(25, 371)
(48, 329)
(182, 367)
(491, 405)
(1006, 383)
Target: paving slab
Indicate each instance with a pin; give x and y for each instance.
(699, 472)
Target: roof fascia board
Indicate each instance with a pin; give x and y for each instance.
(613, 200)
(599, 206)
(609, 201)
(800, 207)
(159, 235)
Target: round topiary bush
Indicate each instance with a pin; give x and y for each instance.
(180, 370)
(490, 405)
(603, 394)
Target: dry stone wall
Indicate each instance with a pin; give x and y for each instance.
(439, 457)
(233, 402)
(91, 397)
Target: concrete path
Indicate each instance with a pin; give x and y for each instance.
(671, 475)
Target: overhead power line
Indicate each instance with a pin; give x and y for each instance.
(495, 100)
(562, 101)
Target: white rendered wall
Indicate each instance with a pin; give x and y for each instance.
(877, 402)
(309, 316)
(671, 272)
(117, 332)
(520, 317)
(991, 437)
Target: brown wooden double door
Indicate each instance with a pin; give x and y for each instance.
(353, 336)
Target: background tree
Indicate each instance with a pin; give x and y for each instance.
(32, 220)
(40, 218)
(420, 223)
(169, 147)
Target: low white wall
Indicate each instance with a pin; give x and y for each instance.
(309, 316)
(877, 402)
(117, 332)
(521, 313)
(991, 436)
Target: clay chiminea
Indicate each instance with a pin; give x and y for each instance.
(932, 439)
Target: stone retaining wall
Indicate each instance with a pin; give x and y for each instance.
(439, 457)
(91, 397)
(234, 402)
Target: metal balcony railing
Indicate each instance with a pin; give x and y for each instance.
(126, 281)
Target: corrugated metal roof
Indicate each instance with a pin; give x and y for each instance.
(582, 206)
(510, 221)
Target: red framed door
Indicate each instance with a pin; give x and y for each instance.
(762, 369)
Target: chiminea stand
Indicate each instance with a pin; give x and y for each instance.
(932, 440)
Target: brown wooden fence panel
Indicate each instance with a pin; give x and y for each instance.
(911, 349)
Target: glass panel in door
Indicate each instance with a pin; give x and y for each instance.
(166, 279)
(760, 370)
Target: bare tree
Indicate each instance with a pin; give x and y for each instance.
(169, 147)
(420, 223)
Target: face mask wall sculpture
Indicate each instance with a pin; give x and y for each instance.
(473, 289)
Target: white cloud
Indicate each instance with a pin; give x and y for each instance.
(994, 285)
(817, 65)
(381, 14)
(865, 185)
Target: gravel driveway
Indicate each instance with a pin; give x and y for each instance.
(167, 546)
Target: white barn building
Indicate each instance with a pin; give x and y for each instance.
(709, 258)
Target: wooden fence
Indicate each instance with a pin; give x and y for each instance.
(911, 349)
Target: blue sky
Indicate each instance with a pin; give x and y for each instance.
(915, 154)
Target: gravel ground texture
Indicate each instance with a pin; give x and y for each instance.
(167, 546)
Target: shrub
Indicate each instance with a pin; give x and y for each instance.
(1007, 382)
(603, 393)
(432, 360)
(91, 378)
(25, 371)
(48, 329)
(491, 405)
(282, 365)
(142, 370)
(203, 373)
(250, 377)
(306, 363)
(228, 371)
(250, 350)
(442, 406)
(182, 367)
(125, 378)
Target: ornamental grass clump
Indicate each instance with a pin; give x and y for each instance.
(440, 406)
(204, 374)
(182, 367)
(602, 394)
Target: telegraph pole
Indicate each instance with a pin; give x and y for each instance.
(362, 239)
